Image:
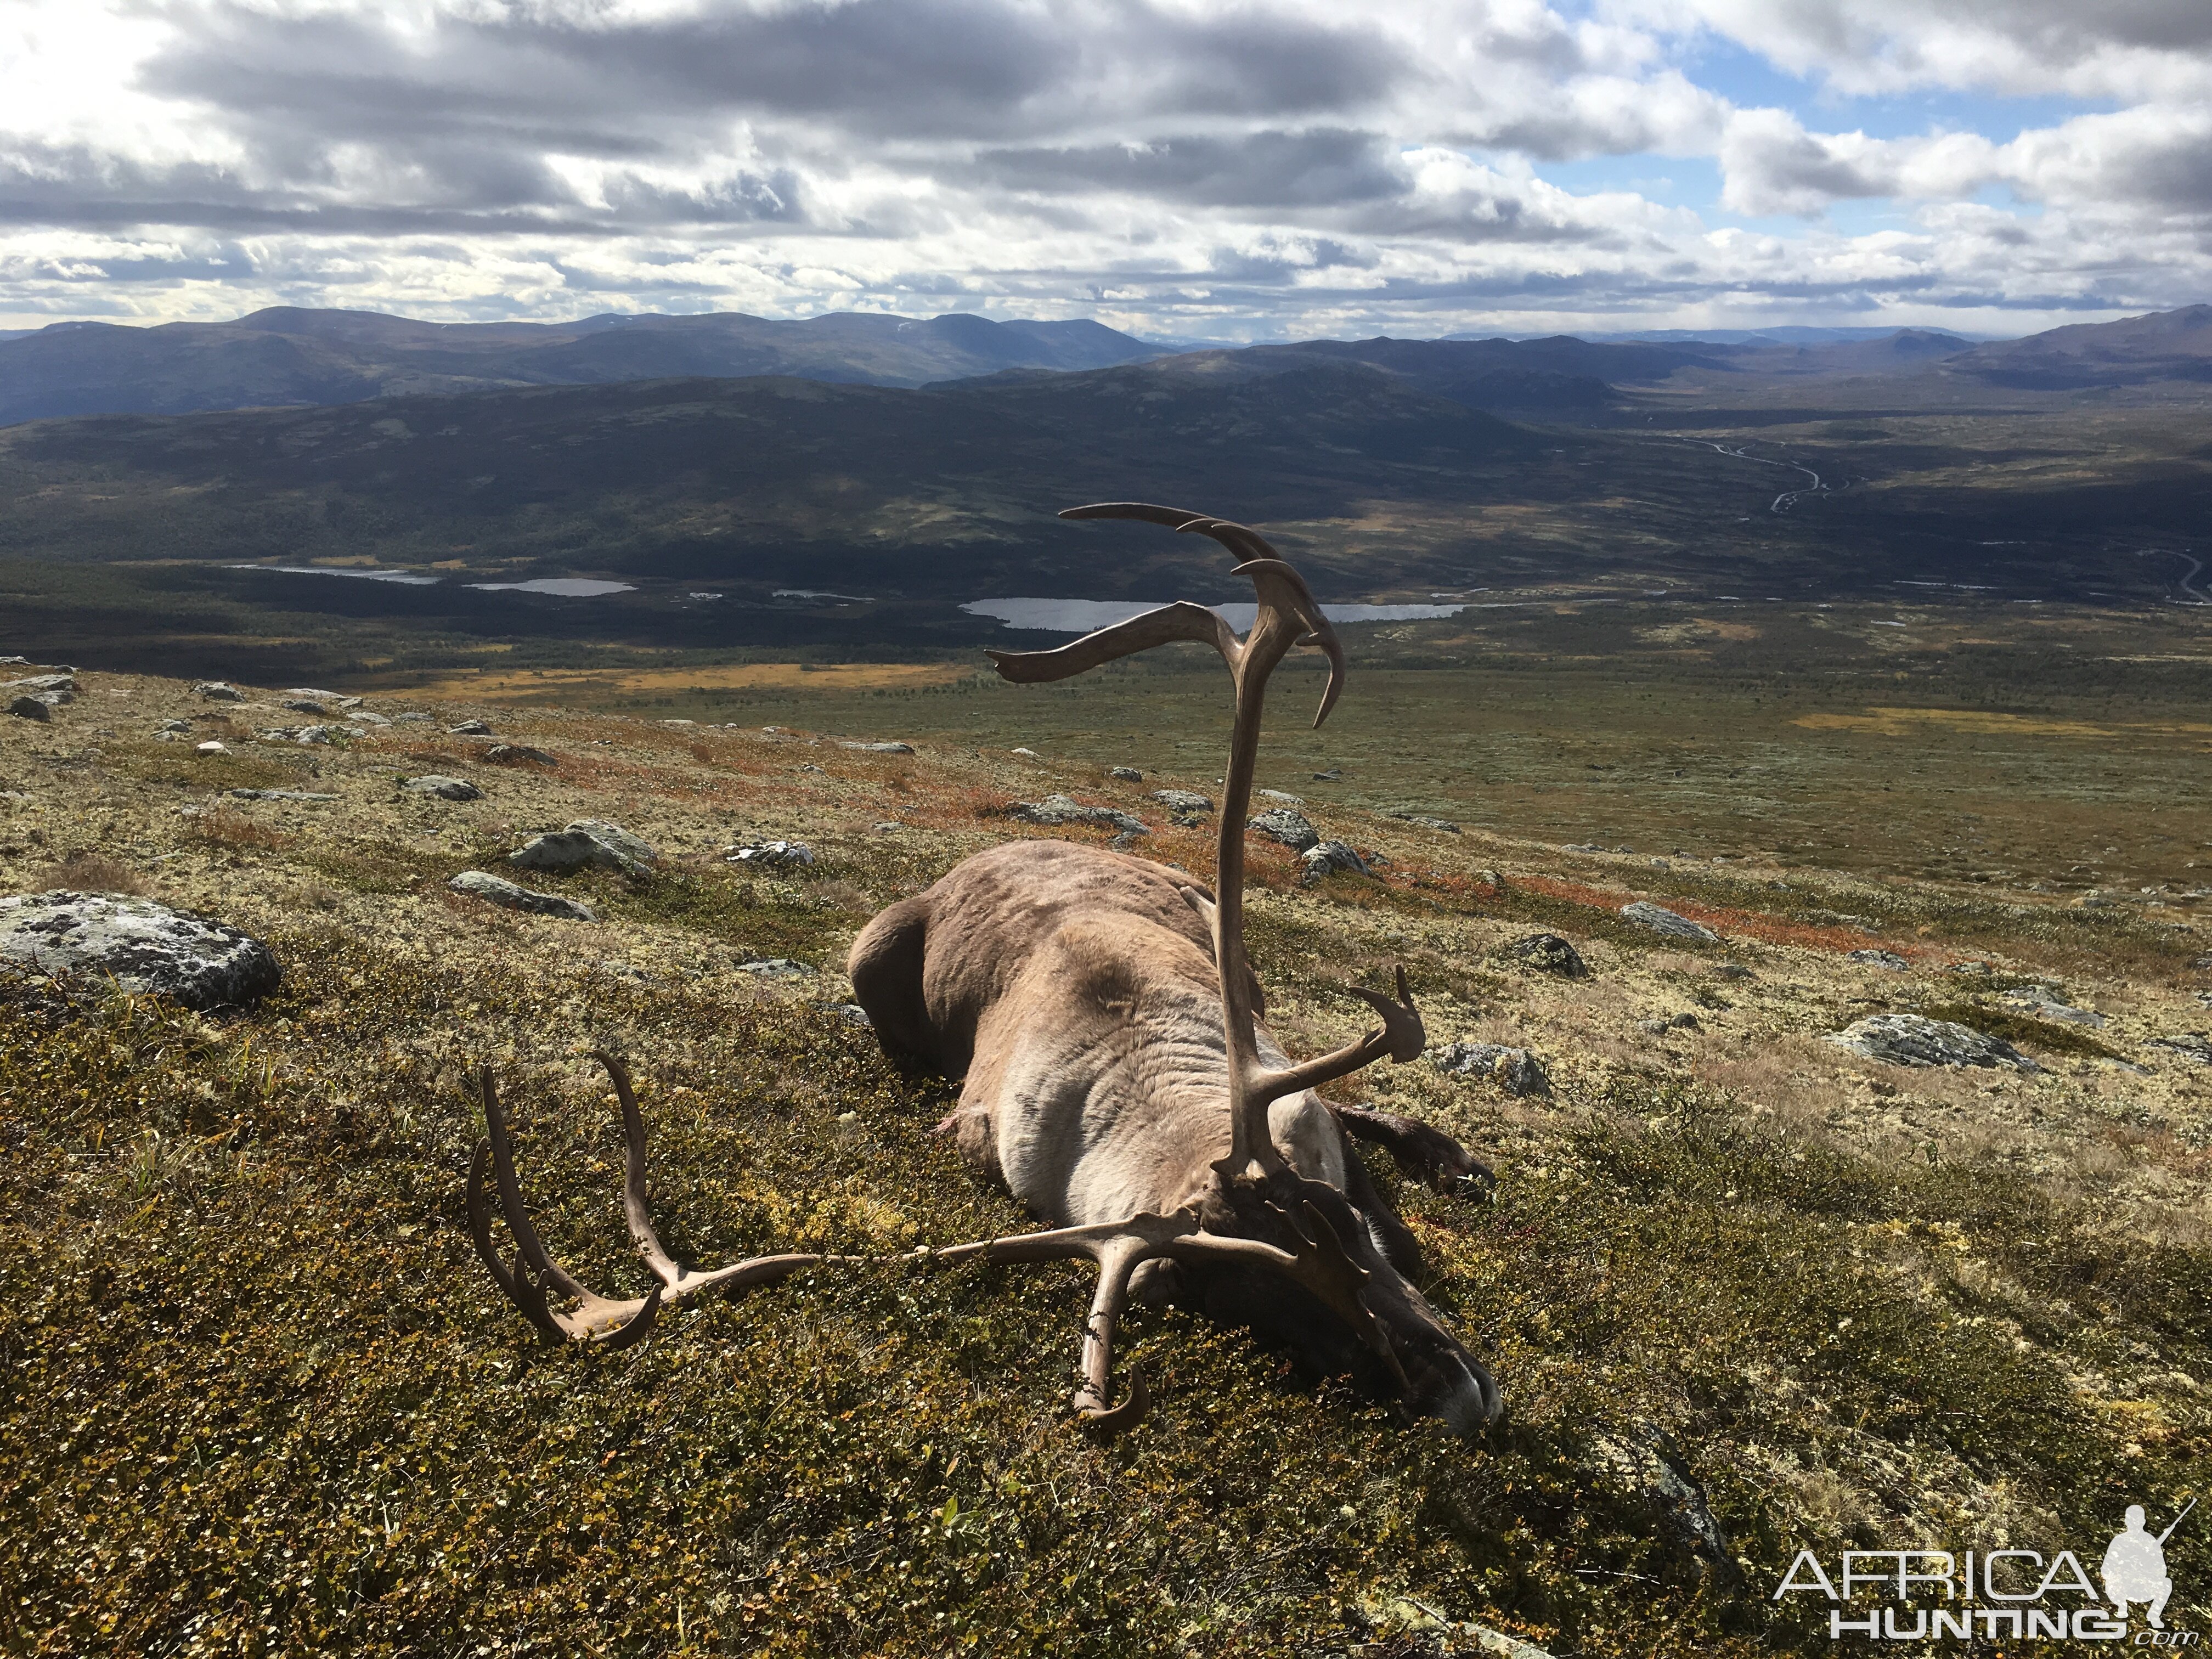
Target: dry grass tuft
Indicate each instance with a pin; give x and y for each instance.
(228, 827)
(91, 873)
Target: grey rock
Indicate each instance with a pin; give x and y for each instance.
(1648, 1463)
(564, 851)
(413, 717)
(1125, 773)
(1327, 858)
(218, 692)
(471, 728)
(174, 725)
(14, 662)
(852, 1013)
(334, 699)
(1885, 959)
(1286, 825)
(1660, 920)
(1731, 970)
(304, 706)
(614, 836)
(880, 748)
(1284, 796)
(772, 855)
(51, 689)
(279, 795)
(1678, 1022)
(1547, 953)
(30, 708)
(1063, 809)
(496, 889)
(1582, 847)
(1407, 816)
(302, 734)
(2044, 1004)
(367, 717)
(1334, 775)
(444, 789)
(2193, 1046)
(518, 754)
(147, 946)
(1183, 800)
(1514, 1070)
(774, 968)
(2203, 964)
(1915, 1040)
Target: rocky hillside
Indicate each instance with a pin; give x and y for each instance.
(1749, 1290)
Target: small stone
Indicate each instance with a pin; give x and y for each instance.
(367, 717)
(1334, 775)
(517, 754)
(885, 828)
(145, 946)
(1031, 753)
(852, 1013)
(1406, 815)
(495, 889)
(1055, 810)
(1514, 1070)
(1888, 960)
(218, 692)
(1660, 920)
(412, 717)
(880, 748)
(1547, 953)
(30, 708)
(772, 855)
(331, 699)
(1915, 1040)
(2203, 964)
(774, 968)
(1284, 796)
(279, 795)
(212, 746)
(304, 706)
(471, 728)
(1125, 775)
(1287, 826)
(1582, 847)
(1183, 800)
(444, 789)
(174, 727)
(1327, 858)
(1730, 970)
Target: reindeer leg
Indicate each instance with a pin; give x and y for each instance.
(1421, 1151)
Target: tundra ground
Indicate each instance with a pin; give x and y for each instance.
(260, 1397)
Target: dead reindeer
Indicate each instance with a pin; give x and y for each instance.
(1119, 1077)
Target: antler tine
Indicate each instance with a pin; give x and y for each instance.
(641, 1227)
(530, 1250)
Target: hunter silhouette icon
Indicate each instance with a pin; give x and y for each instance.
(2134, 1566)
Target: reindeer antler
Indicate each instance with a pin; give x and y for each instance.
(1288, 616)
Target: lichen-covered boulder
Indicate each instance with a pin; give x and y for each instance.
(1065, 809)
(1915, 1040)
(145, 947)
(1183, 800)
(1514, 1070)
(1661, 920)
(495, 889)
(1326, 857)
(577, 849)
(614, 836)
(1547, 953)
(443, 787)
(1287, 825)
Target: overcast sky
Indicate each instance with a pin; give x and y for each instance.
(1272, 169)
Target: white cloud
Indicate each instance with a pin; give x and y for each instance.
(1280, 167)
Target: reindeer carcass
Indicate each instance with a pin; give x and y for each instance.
(1119, 1077)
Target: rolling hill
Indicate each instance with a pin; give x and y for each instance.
(289, 357)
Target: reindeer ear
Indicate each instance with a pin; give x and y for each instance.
(1180, 621)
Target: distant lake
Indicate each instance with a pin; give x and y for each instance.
(406, 577)
(1084, 616)
(566, 587)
